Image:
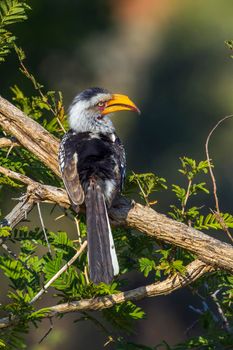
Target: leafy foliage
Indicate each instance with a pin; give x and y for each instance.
(147, 184)
(121, 315)
(11, 12)
(5, 231)
(47, 109)
(167, 264)
(40, 107)
(214, 221)
(193, 215)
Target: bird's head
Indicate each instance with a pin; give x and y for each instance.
(91, 108)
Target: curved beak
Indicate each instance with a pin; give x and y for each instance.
(119, 103)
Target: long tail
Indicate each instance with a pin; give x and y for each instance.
(102, 258)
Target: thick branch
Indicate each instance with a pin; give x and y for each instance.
(157, 225)
(36, 192)
(194, 270)
(18, 213)
(30, 134)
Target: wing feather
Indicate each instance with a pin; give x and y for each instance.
(68, 162)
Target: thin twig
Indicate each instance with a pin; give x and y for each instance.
(209, 162)
(100, 326)
(58, 274)
(86, 274)
(59, 217)
(218, 212)
(223, 317)
(186, 196)
(43, 227)
(37, 87)
(48, 331)
(110, 340)
(222, 223)
(191, 327)
(78, 230)
(77, 221)
(9, 151)
(141, 189)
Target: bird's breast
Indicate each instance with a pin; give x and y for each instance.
(97, 158)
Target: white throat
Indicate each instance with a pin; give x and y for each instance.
(82, 120)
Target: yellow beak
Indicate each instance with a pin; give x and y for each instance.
(119, 103)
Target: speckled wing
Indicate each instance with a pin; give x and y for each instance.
(68, 162)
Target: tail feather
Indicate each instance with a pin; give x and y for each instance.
(102, 258)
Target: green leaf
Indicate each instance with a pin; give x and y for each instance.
(5, 231)
(147, 184)
(122, 315)
(190, 168)
(179, 191)
(214, 221)
(146, 265)
(178, 266)
(11, 12)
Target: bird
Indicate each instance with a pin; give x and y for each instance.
(93, 165)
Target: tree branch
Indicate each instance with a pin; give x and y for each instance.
(5, 142)
(29, 134)
(18, 213)
(38, 191)
(194, 270)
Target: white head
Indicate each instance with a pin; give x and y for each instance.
(89, 111)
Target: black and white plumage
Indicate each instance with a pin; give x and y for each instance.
(92, 164)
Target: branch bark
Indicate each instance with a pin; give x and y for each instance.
(29, 134)
(36, 192)
(194, 270)
(5, 142)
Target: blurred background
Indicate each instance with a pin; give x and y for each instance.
(169, 57)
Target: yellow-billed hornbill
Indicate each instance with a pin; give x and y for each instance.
(92, 164)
